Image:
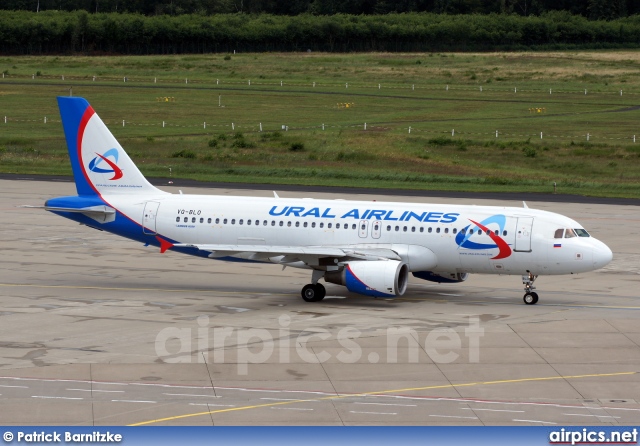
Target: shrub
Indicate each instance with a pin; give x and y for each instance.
(529, 152)
(188, 154)
(296, 147)
(213, 143)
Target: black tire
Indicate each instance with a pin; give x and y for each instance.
(313, 293)
(530, 298)
(321, 292)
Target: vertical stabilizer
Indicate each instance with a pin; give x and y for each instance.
(100, 165)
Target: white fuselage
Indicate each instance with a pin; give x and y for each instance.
(530, 234)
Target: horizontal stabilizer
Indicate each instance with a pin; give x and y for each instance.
(101, 214)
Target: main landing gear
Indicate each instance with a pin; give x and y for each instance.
(530, 296)
(314, 292)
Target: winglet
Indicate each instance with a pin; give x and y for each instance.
(275, 194)
(525, 205)
(164, 244)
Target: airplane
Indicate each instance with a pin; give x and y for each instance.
(368, 247)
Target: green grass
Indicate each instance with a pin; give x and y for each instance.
(232, 148)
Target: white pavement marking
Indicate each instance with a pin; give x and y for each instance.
(207, 404)
(132, 401)
(492, 410)
(389, 404)
(375, 413)
(103, 391)
(588, 415)
(454, 416)
(534, 421)
(286, 399)
(55, 397)
(18, 387)
(189, 394)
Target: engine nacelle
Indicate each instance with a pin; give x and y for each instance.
(379, 278)
(441, 277)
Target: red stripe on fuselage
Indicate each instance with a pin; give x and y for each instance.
(505, 250)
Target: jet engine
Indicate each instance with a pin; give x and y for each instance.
(441, 277)
(378, 278)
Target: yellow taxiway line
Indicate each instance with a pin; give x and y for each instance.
(333, 397)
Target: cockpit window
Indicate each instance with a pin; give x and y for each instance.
(569, 233)
(559, 233)
(582, 233)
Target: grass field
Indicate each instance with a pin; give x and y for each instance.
(431, 119)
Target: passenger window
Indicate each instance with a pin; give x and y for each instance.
(337, 225)
(463, 231)
(470, 231)
(304, 224)
(329, 225)
(569, 233)
(240, 222)
(177, 219)
(421, 229)
(446, 230)
(397, 228)
(201, 220)
(193, 220)
(362, 227)
(186, 219)
(248, 222)
(273, 222)
(559, 233)
(353, 226)
(264, 223)
(313, 225)
(322, 225)
(289, 224)
(208, 220)
(224, 221)
(281, 223)
(455, 230)
(413, 229)
(404, 229)
(504, 233)
(233, 221)
(430, 230)
(495, 232)
(217, 220)
(438, 230)
(375, 227)
(297, 224)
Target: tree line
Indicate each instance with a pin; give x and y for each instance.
(58, 32)
(592, 9)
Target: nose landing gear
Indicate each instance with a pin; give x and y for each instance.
(530, 296)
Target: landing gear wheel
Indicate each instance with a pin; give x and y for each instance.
(313, 293)
(531, 298)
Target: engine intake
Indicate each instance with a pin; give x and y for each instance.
(379, 278)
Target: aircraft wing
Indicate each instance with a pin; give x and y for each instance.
(294, 253)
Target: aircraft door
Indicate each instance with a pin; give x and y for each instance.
(149, 217)
(376, 229)
(363, 228)
(523, 234)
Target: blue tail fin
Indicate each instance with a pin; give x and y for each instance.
(100, 165)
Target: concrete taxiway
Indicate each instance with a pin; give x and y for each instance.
(99, 330)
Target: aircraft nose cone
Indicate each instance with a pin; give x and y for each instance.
(602, 255)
